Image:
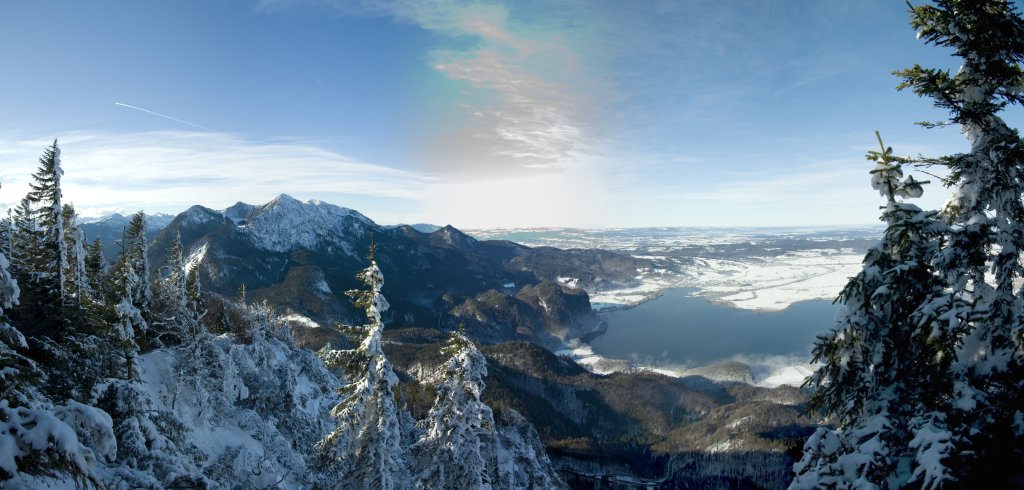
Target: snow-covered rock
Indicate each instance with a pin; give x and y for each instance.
(285, 222)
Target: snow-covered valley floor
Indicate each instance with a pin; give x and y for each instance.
(755, 269)
(754, 283)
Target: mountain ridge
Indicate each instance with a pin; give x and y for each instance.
(303, 256)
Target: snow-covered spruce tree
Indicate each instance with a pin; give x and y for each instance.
(522, 461)
(76, 283)
(131, 293)
(7, 234)
(23, 240)
(130, 323)
(48, 314)
(37, 445)
(50, 259)
(152, 442)
(176, 318)
(982, 261)
(463, 447)
(365, 449)
(39, 252)
(178, 321)
(458, 449)
(967, 428)
(17, 372)
(95, 267)
(880, 365)
(135, 251)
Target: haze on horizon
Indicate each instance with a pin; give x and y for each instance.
(478, 114)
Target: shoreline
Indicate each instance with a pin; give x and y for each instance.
(762, 374)
(715, 298)
(756, 283)
(765, 370)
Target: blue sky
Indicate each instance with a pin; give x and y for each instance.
(478, 114)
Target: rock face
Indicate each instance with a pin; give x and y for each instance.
(303, 256)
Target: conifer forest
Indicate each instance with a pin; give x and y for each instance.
(302, 345)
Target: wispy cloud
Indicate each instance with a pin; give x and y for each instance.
(173, 170)
(170, 171)
(518, 85)
(531, 119)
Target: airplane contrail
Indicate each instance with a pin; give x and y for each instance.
(165, 116)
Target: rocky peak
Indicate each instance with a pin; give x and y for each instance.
(115, 219)
(239, 211)
(286, 223)
(450, 237)
(198, 214)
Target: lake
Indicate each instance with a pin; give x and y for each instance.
(677, 329)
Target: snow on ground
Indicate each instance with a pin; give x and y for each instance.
(195, 258)
(569, 281)
(788, 375)
(251, 444)
(321, 286)
(722, 447)
(649, 288)
(581, 353)
(764, 269)
(655, 241)
(772, 284)
(302, 320)
(754, 283)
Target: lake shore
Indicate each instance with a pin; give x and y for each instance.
(679, 332)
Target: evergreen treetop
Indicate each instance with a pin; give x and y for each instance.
(925, 369)
(365, 449)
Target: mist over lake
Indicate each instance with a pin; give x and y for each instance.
(679, 329)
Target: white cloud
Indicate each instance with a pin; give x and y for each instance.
(169, 171)
(533, 122)
(524, 107)
(173, 170)
(568, 197)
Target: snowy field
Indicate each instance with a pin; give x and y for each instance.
(666, 239)
(762, 269)
(773, 283)
(754, 269)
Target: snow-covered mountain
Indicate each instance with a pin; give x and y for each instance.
(154, 221)
(110, 229)
(303, 256)
(285, 224)
(420, 227)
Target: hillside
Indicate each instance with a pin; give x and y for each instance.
(304, 256)
(684, 432)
